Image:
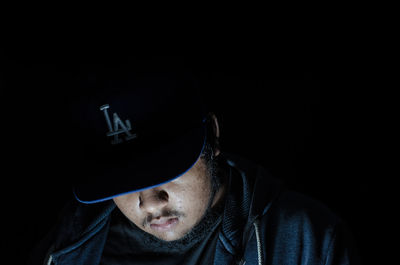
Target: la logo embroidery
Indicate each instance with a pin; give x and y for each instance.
(119, 127)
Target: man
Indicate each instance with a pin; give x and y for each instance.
(156, 188)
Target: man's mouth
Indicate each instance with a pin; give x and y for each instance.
(164, 224)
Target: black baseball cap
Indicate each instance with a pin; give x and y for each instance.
(135, 130)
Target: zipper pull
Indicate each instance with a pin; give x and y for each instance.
(242, 262)
(50, 260)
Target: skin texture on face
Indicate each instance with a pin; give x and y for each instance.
(170, 211)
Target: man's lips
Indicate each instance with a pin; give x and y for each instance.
(164, 224)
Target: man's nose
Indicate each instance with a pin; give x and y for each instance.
(153, 200)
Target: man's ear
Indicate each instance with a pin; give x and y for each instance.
(216, 133)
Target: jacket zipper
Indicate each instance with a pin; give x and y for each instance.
(50, 260)
(259, 251)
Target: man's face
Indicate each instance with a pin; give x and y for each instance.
(170, 211)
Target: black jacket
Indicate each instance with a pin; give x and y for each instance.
(262, 224)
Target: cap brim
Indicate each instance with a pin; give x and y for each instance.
(170, 161)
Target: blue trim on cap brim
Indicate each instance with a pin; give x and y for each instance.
(150, 187)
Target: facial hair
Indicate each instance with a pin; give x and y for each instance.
(210, 220)
(207, 223)
(166, 213)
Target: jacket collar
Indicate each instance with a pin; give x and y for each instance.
(251, 192)
(81, 221)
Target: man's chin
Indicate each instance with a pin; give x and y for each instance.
(168, 236)
(181, 237)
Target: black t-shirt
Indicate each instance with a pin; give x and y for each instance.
(128, 244)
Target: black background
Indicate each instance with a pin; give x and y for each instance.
(300, 113)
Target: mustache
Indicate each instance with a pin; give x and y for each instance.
(165, 213)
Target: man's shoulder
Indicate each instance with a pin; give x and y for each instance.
(288, 204)
(307, 227)
(293, 206)
(296, 217)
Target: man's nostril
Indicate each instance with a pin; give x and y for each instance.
(140, 201)
(163, 195)
(153, 198)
